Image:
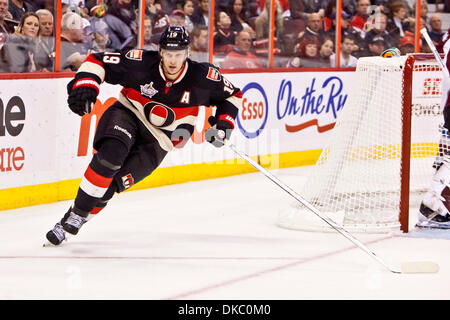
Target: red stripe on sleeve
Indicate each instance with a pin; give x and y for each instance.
(92, 59)
(238, 94)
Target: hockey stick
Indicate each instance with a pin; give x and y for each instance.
(404, 267)
(436, 54)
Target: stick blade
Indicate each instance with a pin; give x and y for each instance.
(419, 267)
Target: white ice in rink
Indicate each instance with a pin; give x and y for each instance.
(213, 239)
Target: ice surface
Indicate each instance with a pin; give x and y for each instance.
(213, 239)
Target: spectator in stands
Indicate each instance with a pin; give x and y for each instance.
(151, 8)
(329, 13)
(347, 59)
(46, 22)
(6, 22)
(64, 8)
(262, 21)
(168, 5)
(407, 43)
(379, 29)
(148, 32)
(238, 15)
(177, 18)
(346, 30)
(18, 8)
(160, 22)
(17, 54)
(201, 13)
(188, 8)
(83, 11)
(375, 47)
(409, 10)
(45, 51)
(120, 34)
(360, 18)
(240, 56)
(125, 11)
(223, 37)
(325, 51)
(100, 37)
(345, 25)
(287, 50)
(72, 54)
(301, 9)
(398, 23)
(199, 44)
(313, 28)
(253, 10)
(423, 10)
(296, 9)
(308, 54)
(349, 6)
(435, 31)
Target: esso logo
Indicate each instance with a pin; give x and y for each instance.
(158, 114)
(254, 110)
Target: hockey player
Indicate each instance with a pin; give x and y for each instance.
(155, 112)
(434, 209)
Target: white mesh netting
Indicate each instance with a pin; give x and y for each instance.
(356, 180)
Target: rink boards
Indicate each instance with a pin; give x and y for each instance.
(284, 121)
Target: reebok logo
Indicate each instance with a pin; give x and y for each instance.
(116, 127)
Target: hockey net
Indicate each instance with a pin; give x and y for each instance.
(379, 160)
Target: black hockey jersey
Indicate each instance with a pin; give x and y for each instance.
(168, 109)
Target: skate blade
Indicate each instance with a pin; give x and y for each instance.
(47, 243)
(432, 225)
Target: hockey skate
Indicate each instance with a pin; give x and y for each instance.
(434, 209)
(57, 235)
(73, 222)
(433, 212)
(70, 223)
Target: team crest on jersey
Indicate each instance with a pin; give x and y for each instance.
(213, 74)
(148, 90)
(159, 114)
(134, 54)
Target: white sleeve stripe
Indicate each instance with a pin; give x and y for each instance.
(94, 68)
(237, 102)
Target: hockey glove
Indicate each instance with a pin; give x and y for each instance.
(82, 95)
(219, 132)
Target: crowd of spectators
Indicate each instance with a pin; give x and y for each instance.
(304, 30)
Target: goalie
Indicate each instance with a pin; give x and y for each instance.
(434, 211)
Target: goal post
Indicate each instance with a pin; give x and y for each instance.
(379, 160)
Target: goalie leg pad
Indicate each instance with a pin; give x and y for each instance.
(435, 207)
